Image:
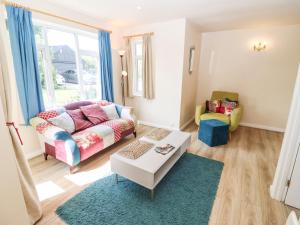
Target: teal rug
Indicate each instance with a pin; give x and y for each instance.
(185, 196)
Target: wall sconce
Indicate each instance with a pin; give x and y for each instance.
(259, 47)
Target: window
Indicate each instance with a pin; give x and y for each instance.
(68, 64)
(137, 62)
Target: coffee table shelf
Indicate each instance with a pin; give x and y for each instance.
(149, 169)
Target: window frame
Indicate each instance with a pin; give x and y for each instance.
(135, 59)
(47, 62)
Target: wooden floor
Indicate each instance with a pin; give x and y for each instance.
(243, 194)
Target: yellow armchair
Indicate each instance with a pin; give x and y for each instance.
(233, 120)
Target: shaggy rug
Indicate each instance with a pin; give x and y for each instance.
(184, 196)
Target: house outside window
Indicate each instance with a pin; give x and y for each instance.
(68, 62)
(137, 62)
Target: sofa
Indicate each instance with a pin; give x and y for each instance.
(59, 139)
(233, 120)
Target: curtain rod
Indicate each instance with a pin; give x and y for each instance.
(138, 35)
(55, 16)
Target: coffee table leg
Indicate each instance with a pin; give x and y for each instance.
(117, 181)
(152, 194)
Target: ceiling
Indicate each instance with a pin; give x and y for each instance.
(209, 15)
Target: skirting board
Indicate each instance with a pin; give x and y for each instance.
(187, 123)
(33, 154)
(156, 125)
(277, 129)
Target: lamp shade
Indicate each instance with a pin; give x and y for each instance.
(121, 52)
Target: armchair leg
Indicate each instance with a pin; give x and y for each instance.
(74, 169)
(45, 156)
(134, 133)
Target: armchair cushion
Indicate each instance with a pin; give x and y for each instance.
(215, 116)
(213, 105)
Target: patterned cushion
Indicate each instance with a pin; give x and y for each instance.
(48, 114)
(86, 139)
(229, 106)
(213, 106)
(63, 121)
(119, 126)
(94, 113)
(111, 111)
(41, 127)
(80, 121)
(103, 103)
(77, 105)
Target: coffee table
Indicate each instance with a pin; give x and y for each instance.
(150, 168)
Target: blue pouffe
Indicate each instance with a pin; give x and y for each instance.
(213, 132)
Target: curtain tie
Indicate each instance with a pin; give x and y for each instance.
(16, 129)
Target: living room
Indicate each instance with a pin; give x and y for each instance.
(181, 112)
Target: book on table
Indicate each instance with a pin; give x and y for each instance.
(165, 149)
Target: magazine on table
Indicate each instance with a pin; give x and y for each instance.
(164, 149)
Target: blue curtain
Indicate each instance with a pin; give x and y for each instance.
(25, 61)
(106, 72)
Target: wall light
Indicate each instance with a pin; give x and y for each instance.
(259, 46)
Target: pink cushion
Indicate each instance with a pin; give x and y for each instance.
(103, 103)
(48, 114)
(94, 113)
(80, 121)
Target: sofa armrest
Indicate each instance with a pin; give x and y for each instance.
(235, 118)
(127, 112)
(66, 148)
(200, 109)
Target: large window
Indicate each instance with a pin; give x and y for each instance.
(137, 56)
(68, 64)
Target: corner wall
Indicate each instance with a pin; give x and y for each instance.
(189, 80)
(168, 52)
(265, 80)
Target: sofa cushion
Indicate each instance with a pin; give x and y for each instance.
(93, 139)
(111, 111)
(48, 114)
(77, 105)
(215, 116)
(121, 127)
(80, 121)
(98, 137)
(64, 121)
(94, 113)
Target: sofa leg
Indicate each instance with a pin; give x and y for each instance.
(45, 156)
(74, 169)
(134, 133)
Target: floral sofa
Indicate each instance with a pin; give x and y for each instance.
(71, 146)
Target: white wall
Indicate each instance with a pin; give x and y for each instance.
(264, 80)
(189, 81)
(168, 51)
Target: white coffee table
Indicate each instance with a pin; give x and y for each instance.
(149, 169)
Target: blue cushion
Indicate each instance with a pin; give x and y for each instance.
(213, 132)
